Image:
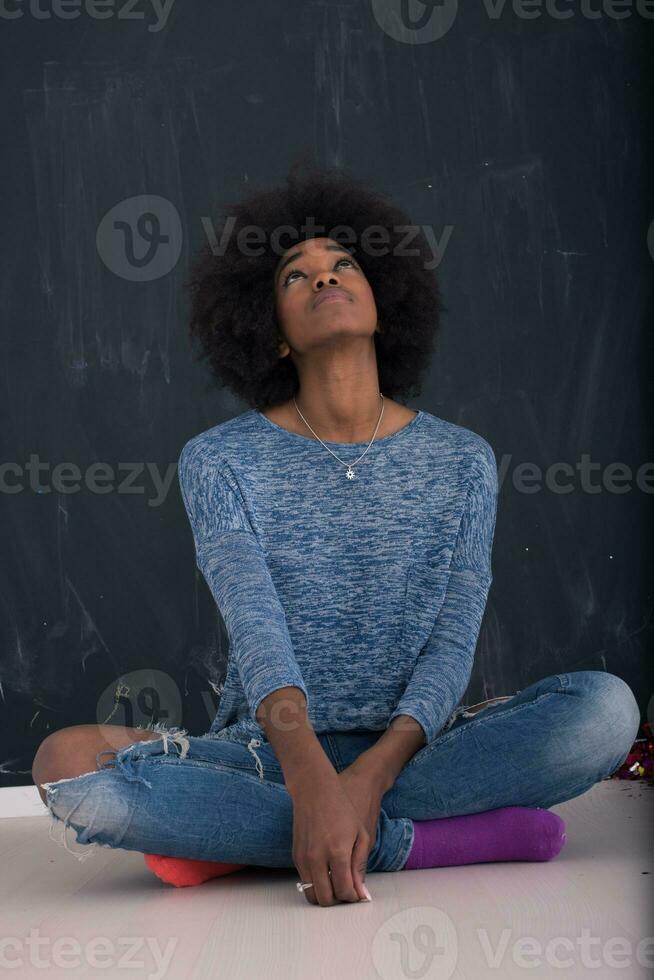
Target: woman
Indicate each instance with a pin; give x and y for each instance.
(347, 542)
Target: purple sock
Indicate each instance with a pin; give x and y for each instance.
(510, 833)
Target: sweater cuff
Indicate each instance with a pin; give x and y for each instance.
(425, 723)
(275, 685)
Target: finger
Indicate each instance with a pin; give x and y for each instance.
(304, 875)
(342, 883)
(360, 853)
(323, 884)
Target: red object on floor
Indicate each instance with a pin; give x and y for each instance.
(183, 872)
(639, 764)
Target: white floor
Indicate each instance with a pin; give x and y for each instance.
(585, 914)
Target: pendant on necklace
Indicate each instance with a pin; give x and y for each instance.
(351, 475)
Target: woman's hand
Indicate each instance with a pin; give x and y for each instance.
(365, 787)
(329, 835)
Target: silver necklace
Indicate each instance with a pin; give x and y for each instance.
(350, 474)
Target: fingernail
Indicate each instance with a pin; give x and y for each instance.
(367, 894)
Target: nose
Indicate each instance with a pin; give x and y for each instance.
(321, 279)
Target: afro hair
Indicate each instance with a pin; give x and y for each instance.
(233, 317)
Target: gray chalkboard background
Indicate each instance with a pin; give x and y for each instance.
(523, 139)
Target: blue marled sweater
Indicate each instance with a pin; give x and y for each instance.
(368, 594)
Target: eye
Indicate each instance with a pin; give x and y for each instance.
(299, 271)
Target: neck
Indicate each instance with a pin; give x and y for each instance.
(347, 418)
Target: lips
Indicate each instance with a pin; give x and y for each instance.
(330, 295)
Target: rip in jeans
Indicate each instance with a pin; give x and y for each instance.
(467, 712)
(251, 743)
(122, 763)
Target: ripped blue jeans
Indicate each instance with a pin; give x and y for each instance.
(208, 798)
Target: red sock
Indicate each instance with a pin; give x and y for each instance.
(183, 872)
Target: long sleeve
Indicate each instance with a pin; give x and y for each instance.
(233, 564)
(444, 666)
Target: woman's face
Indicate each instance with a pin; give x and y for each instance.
(321, 296)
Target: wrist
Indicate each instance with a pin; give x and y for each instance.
(303, 773)
(376, 769)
